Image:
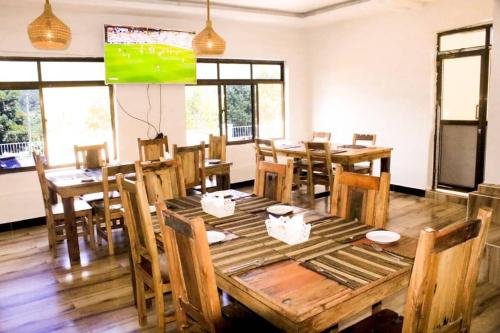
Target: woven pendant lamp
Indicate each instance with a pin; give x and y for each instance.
(48, 32)
(208, 42)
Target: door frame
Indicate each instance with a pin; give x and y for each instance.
(481, 122)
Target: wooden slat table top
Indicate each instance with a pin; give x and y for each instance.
(288, 292)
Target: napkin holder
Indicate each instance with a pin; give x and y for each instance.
(216, 205)
(289, 230)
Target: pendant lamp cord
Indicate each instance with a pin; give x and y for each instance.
(208, 10)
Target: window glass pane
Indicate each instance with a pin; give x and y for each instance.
(72, 71)
(239, 112)
(234, 71)
(202, 113)
(18, 71)
(76, 116)
(272, 72)
(206, 71)
(271, 111)
(463, 40)
(20, 127)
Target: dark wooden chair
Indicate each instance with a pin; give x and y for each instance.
(91, 157)
(319, 168)
(443, 282)
(371, 139)
(151, 278)
(192, 160)
(152, 149)
(108, 211)
(194, 290)
(217, 147)
(54, 212)
(321, 137)
(274, 181)
(374, 193)
(265, 150)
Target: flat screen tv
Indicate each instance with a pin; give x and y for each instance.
(143, 55)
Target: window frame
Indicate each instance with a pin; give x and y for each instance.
(253, 83)
(40, 85)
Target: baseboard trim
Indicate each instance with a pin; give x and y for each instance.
(408, 190)
(22, 224)
(242, 184)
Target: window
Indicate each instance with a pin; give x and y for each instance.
(76, 109)
(241, 99)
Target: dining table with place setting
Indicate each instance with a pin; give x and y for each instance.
(302, 270)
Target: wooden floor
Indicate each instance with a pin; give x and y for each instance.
(40, 294)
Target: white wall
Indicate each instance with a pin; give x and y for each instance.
(377, 75)
(244, 40)
(493, 143)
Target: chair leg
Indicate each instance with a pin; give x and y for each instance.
(159, 307)
(141, 300)
(91, 230)
(51, 231)
(97, 222)
(109, 233)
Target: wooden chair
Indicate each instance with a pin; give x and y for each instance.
(91, 157)
(192, 275)
(217, 147)
(366, 167)
(109, 210)
(164, 179)
(281, 189)
(192, 160)
(151, 278)
(319, 169)
(265, 149)
(152, 150)
(375, 197)
(321, 136)
(443, 282)
(54, 213)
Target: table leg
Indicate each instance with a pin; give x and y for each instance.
(71, 230)
(224, 181)
(385, 164)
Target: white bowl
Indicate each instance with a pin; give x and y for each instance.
(383, 236)
(279, 209)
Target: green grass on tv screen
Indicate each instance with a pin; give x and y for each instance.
(149, 63)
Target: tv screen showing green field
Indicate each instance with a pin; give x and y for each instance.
(141, 55)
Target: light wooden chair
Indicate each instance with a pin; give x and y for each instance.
(443, 282)
(365, 167)
(164, 179)
(375, 197)
(217, 147)
(192, 160)
(319, 169)
(321, 137)
(149, 267)
(108, 212)
(264, 149)
(280, 187)
(194, 290)
(152, 149)
(91, 157)
(54, 213)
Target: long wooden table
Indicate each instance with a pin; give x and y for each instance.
(307, 287)
(69, 183)
(345, 156)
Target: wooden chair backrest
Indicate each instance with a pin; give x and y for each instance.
(217, 147)
(319, 152)
(152, 149)
(280, 189)
(91, 157)
(139, 227)
(375, 196)
(164, 179)
(109, 185)
(192, 159)
(265, 148)
(192, 276)
(40, 170)
(321, 136)
(444, 276)
(364, 137)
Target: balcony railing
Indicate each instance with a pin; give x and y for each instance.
(239, 132)
(20, 150)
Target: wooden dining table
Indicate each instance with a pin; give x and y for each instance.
(71, 183)
(346, 155)
(310, 286)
